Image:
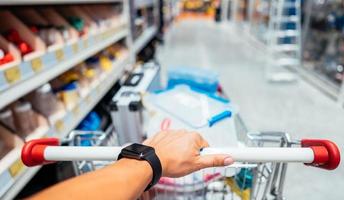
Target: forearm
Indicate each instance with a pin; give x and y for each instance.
(126, 179)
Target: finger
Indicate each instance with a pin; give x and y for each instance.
(218, 160)
(204, 143)
(200, 141)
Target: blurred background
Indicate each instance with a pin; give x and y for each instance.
(281, 62)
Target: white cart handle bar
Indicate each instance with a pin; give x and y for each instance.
(318, 153)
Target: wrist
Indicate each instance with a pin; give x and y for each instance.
(162, 159)
(143, 165)
(147, 154)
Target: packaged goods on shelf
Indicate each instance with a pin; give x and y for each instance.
(105, 17)
(79, 20)
(10, 54)
(26, 120)
(7, 118)
(8, 141)
(13, 36)
(40, 27)
(105, 62)
(93, 63)
(68, 33)
(69, 94)
(45, 102)
(5, 57)
(29, 45)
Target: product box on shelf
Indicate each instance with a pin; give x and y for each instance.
(70, 35)
(8, 141)
(41, 27)
(9, 68)
(83, 23)
(32, 48)
(49, 34)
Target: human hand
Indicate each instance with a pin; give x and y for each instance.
(179, 153)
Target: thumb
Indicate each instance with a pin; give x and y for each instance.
(216, 160)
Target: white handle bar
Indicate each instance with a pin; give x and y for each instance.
(319, 153)
(304, 155)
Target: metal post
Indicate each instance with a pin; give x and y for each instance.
(128, 7)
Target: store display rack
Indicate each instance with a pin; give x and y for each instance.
(145, 37)
(17, 81)
(144, 3)
(253, 26)
(47, 2)
(13, 174)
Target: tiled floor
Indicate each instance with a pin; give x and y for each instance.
(297, 108)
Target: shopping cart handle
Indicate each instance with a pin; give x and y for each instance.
(326, 153)
(33, 151)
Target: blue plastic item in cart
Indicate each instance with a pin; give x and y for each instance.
(91, 122)
(199, 78)
(194, 108)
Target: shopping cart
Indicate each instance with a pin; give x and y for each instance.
(258, 173)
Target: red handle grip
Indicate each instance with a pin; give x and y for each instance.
(326, 153)
(33, 151)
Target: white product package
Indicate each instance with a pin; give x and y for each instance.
(183, 108)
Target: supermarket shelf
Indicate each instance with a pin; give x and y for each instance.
(45, 2)
(71, 56)
(144, 38)
(14, 175)
(86, 104)
(144, 3)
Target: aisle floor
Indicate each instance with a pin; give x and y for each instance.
(298, 108)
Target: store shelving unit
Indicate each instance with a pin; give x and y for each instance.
(13, 174)
(149, 32)
(54, 2)
(255, 31)
(144, 3)
(80, 51)
(144, 38)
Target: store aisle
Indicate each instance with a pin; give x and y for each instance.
(296, 108)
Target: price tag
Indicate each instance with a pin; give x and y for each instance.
(59, 54)
(36, 64)
(12, 74)
(59, 126)
(75, 48)
(85, 43)
(76, 111)
(16, 168)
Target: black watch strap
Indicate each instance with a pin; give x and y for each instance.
(154, 162)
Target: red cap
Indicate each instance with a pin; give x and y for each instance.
(33, 151)
(326, 153)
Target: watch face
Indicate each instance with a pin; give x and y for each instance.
(137, 150)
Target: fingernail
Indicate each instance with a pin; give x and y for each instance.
(228, 161)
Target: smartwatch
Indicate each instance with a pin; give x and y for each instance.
(147, 153)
